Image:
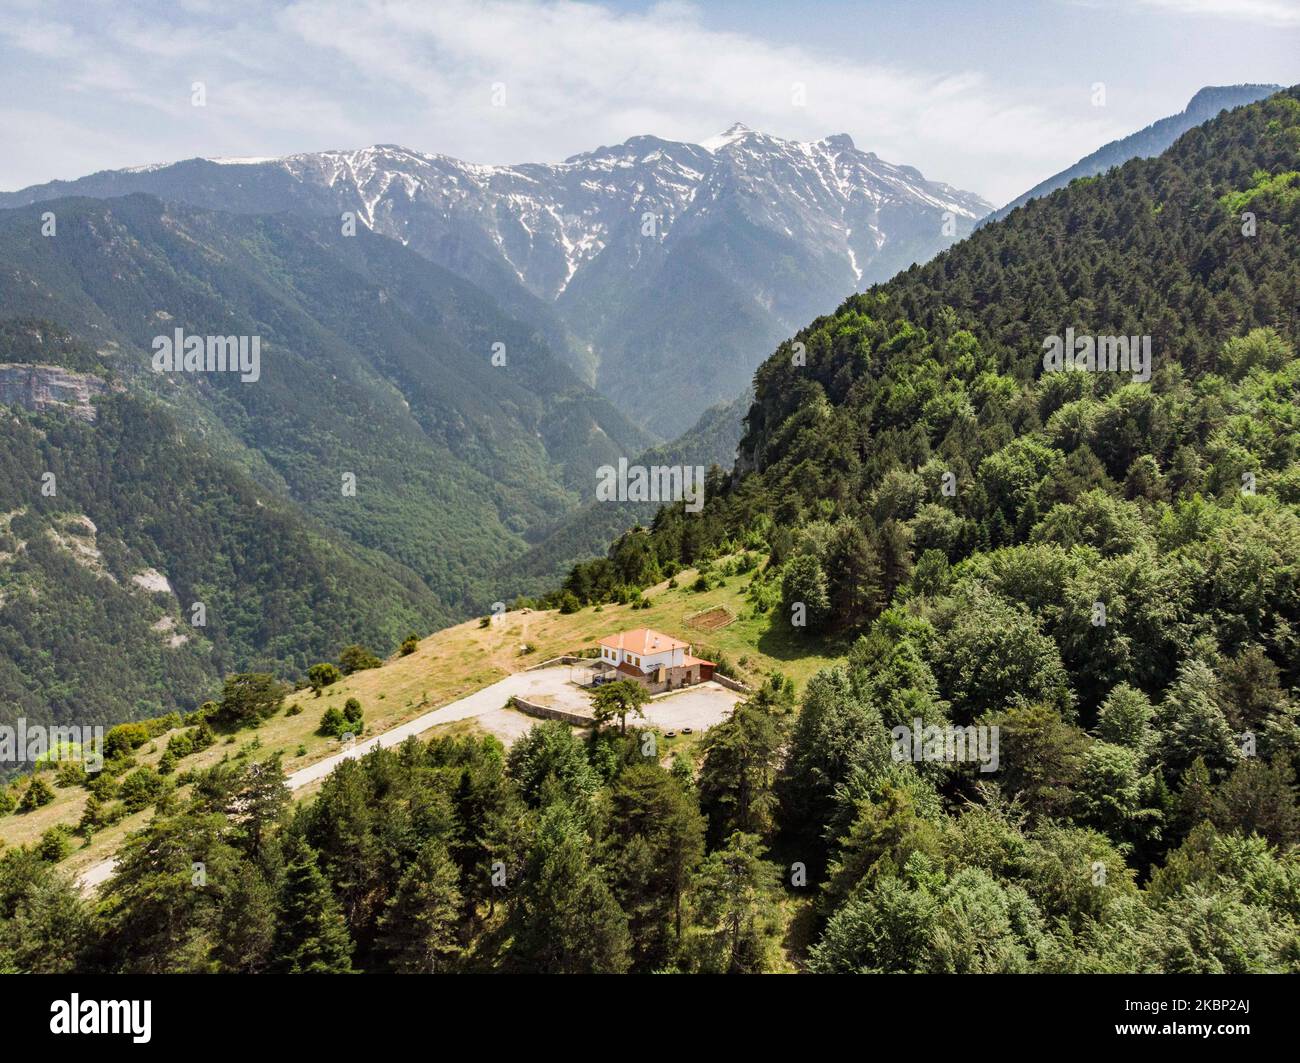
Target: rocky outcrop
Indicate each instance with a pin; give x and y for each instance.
(50, 387)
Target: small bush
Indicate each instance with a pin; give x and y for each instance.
(119, 765)
(322, 675)
(93, 816)
(202, 736)
(37, 794)
(102, 786)
(357, 658)
(163, 724)
(54, 844)
(335, 723)
(124, 738)
(70, 773)
(180, 745)
(141, 788)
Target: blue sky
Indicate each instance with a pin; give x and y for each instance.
(989, 96)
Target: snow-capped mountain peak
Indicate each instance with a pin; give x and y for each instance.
(549, 222)
(736, 131)
(620, 253)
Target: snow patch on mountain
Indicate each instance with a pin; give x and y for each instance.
(548, 222)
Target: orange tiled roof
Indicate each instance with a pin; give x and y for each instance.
(689, 660)
(643, 640)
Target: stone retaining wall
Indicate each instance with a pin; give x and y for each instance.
(548, 712)
(730, 684)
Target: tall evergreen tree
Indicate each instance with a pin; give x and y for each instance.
(311, 937)
(417, 933)
(564, 918)
(656, 838)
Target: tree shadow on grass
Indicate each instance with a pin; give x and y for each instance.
(781, 643)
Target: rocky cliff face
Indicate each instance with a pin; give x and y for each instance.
(50, 387)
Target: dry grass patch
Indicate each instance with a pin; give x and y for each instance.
(450, 664)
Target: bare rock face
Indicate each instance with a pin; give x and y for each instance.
(50, 387)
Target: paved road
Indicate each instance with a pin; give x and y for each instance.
(699, 707)
(489, 699)
(482, 701)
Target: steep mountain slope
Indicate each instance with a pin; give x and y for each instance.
(662, 269)
(376, 370)
(923, 420)
(588, 531)
(1147, 142)
(1067, 599)
(115, 522)
(375, 362)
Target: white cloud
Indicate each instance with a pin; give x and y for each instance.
(1284, 13)
(343, 73)
(578, 75)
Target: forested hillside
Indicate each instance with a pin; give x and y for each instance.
(588, 532)
(1105, 571)
(85, 633)
(376, 366)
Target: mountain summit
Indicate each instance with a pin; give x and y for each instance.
(663, 270)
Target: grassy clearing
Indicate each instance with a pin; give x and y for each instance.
(448, 665)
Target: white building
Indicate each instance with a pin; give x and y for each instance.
(658, 661)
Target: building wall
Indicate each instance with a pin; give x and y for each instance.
(647, 662)
(674, 678)
(662, 659)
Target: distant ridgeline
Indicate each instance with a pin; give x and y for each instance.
(1145, 143)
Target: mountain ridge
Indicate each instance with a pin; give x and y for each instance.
(606, 252)
(1205, 103)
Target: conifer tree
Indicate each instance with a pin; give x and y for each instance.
(312, 936)
(417, 932)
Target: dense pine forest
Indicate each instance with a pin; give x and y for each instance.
(278, 589)
(1105, 570)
